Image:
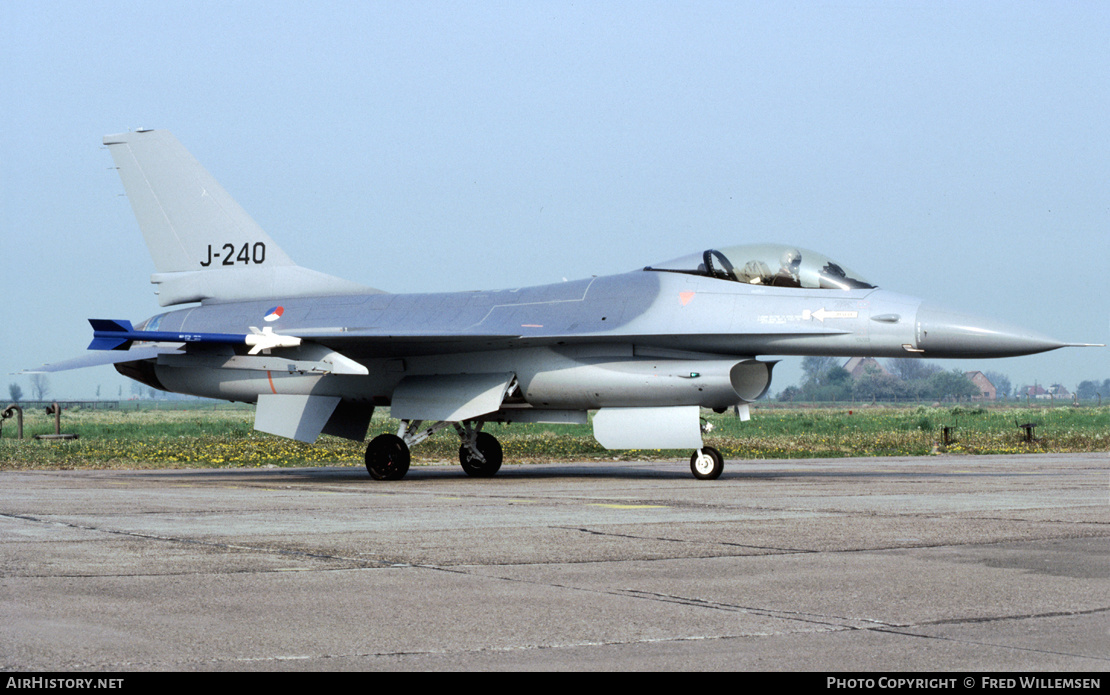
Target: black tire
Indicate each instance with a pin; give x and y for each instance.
(387, 457)
(490, 448)
(707, 463)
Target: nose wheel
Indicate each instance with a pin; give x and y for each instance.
(707, 463)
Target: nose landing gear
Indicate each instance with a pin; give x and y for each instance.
(707, 463)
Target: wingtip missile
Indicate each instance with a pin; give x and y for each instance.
(118, 334)
(111, 334)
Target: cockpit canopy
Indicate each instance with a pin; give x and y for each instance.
(767, 264)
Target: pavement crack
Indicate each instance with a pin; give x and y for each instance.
(1020, 616)
(868, 624)
(906, 632)
(837, 622)
(593, 532)
(359, 562)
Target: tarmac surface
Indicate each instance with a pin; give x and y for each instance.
(984, 563)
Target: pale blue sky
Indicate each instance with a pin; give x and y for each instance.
(956, 151)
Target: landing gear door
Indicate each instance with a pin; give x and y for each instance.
(449, 397)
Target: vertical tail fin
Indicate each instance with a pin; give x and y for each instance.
(204, 245)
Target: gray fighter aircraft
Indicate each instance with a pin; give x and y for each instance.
(644, 349)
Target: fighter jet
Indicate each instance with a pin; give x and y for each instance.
(645, 350)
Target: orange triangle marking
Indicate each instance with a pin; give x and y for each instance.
(685, 297)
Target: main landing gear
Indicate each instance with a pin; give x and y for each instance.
(388, 458)
(387, 455)
(481, 456)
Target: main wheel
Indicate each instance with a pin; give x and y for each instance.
(387, 457)
(490, 449)
(707, 463)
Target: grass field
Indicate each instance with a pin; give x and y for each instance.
(225, 438)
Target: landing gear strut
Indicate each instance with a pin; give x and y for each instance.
(707, 463)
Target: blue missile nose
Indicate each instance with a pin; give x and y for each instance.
(944, 333)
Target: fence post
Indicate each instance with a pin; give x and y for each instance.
(18, 412)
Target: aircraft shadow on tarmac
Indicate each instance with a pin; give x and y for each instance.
(631, 470)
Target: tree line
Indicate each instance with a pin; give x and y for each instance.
(1091, 389)
(902, 380)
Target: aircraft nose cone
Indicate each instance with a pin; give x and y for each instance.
(945, 333)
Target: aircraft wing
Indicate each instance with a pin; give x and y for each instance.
(374, 342)
(391, 340)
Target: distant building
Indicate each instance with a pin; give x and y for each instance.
(858, 366)
(1044, 394)
(987, 390)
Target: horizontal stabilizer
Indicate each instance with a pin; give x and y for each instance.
(104, 358)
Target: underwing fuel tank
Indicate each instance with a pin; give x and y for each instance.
(650, 383)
